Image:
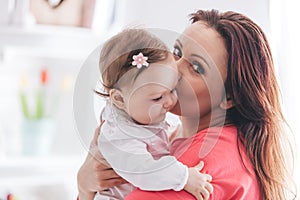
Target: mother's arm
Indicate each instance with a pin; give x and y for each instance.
(94, 174)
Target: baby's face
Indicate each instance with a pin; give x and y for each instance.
(153, 93)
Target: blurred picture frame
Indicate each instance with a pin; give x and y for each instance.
(78, 13)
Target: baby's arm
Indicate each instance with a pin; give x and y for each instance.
(131, 160)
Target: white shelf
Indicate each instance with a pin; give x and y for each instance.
(45, 40)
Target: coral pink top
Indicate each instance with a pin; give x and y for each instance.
(219, 150)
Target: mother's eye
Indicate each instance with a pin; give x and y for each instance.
(177, 52)
(197, 67)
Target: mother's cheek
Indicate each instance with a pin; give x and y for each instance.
(188, 104)
(176, 109)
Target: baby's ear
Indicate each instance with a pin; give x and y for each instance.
(117, 98)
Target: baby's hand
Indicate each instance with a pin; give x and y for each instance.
(198, 184)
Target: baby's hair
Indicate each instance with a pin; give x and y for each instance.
(116, 55)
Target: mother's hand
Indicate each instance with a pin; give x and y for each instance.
(95, 174)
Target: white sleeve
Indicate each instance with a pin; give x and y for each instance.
(131, 160)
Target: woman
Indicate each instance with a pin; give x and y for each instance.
(230, 111)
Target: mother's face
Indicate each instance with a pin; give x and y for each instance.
(202, 62)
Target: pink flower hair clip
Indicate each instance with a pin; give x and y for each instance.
(140, 60)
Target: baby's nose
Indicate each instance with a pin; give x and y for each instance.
(170, 100)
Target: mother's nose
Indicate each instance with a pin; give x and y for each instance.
(182, 65)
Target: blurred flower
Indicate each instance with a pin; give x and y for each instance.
(39, 99)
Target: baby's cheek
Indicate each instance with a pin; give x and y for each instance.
(155, 112)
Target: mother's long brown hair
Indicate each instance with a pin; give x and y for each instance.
(251, 84)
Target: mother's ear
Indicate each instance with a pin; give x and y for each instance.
(116, 96)
(226, 103)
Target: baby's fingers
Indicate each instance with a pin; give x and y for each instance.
(208, 177)
(209, 187)
(205, 194)
(198, 196)
(199, 166)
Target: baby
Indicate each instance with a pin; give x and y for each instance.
(139, 77)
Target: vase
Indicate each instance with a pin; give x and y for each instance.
(37, 136)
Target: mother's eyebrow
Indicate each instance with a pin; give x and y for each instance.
(195, 55)
(202, 58)
(178, 41)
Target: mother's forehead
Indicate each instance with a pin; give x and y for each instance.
(198, 38)
(200, 35)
